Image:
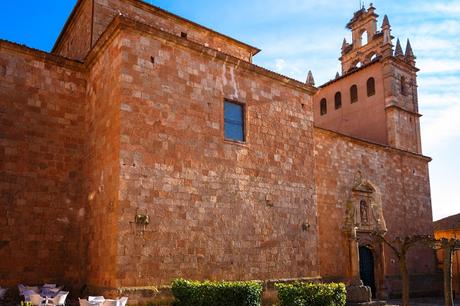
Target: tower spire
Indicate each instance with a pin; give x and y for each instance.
(385, 22)
(310, 79)
(398, 49)
(409, 54)
(387, 47)
(386, 29)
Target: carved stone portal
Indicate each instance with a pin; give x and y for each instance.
(364, 209)
(364, 215)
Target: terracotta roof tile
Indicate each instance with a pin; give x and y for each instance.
(451, 222)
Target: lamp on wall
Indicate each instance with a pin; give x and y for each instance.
(142, 219)
(305, 226)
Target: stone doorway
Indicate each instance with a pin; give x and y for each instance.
(363, 217)
(366, 268)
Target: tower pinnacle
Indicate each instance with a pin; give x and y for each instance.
(385, 22)
(398, 49)
(409, 54)
(310, 79)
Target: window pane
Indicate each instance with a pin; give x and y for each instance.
(233, 121)
(233, 112)
(234, 131)
(370, 87)
(338, 100)
(323, 107)
(354, 93)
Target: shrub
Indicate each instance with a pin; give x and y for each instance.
(192, 293)
(311, 294)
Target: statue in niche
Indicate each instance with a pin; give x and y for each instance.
(364, 212)
(363, 208)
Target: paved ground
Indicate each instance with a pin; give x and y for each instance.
(413, 302)
(424, 302)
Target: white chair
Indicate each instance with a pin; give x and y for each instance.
(21, 289)
(122, 301)
(55, 291)
(97, 298)
(27, 294)
(84, 302)
(109, 302)
(33, 288)
(59, 299)
(36, 299)
(2, 293)
(48, 292)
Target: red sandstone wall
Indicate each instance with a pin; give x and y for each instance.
(76, 41)
(105, 10)
(365, 118)
(402, 106)
(218, 210)
(404, 184)
(102, 166)
(41, 140)
(403, 130)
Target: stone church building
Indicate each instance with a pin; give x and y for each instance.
(146, 147)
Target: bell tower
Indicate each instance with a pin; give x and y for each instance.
(378, 87)
(363, 28)
(401, 99)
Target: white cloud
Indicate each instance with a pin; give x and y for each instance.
(443, 83)
(436, 101)
(446, 7)
(422, 8)
(444, 193)
(438, 65)
(441, 127)
(438, 27)
(280, 64)
(424, 43)
(444, 171)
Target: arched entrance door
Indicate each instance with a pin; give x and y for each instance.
(366, 267)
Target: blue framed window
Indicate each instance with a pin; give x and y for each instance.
(233, 121)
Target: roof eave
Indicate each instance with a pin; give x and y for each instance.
(253, 50)
(66, 25)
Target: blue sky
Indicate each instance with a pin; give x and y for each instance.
(298, 35)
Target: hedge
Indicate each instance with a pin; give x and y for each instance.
(311, 294)
(193, 293)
